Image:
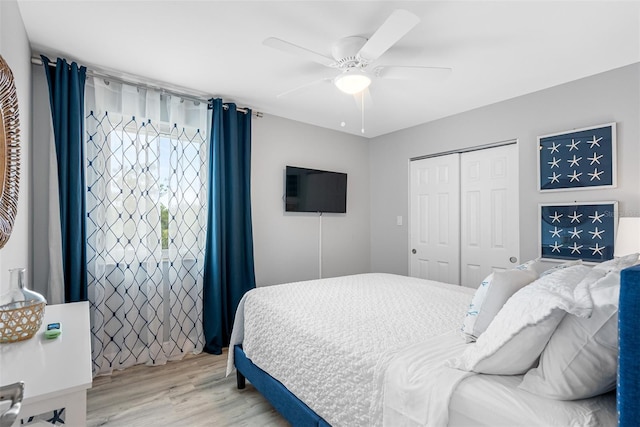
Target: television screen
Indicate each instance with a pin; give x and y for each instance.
(311, 190)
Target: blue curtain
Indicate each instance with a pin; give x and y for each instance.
(66, 95)
(228, 262)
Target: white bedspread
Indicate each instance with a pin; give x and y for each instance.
(347, 330)
(417, 385)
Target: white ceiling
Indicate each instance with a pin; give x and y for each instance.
(498, 50)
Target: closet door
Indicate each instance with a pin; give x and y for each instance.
(434, 222)
(489, 207)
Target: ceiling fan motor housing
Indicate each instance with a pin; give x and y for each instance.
(345, 51)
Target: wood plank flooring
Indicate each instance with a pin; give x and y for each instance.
(190, 392)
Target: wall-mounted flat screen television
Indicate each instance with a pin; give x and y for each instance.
(311, 190)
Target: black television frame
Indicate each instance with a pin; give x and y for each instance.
(289, 193)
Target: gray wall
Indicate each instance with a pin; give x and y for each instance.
(14, 48)
(286, 244)
(609, 97)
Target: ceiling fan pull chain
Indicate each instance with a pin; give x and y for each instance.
(362, 105)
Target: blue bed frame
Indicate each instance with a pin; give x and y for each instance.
(629, 358)
(286, 403)
(628, 393)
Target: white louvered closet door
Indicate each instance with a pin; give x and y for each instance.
(490, 212)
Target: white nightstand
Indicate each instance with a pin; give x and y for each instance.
(57, 372)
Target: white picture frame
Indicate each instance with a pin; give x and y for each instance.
(578, 159)
(578, 230)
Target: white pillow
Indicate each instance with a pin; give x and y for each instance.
(517, 335)
(493, 292)
(617, 263)
(558, 267)
(581, 358)
(600, 270)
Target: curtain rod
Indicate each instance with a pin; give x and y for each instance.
(93, 73)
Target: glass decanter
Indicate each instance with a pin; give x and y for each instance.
(21, 310)
(19, 295)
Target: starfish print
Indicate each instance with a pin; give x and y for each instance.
(554, 163)
(596, 233)
(555, 247)
(575, 176)
(555, 217)
(597, 249)
(574, 162)
(595, 158)
(595, 217)
(595, 174)
(555, 232)
(575, 234)
(554, 178)
(574, 144)
(575, 248)
(575, 217)
(595, 141)
(554, 148)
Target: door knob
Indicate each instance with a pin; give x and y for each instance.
(513, 260)
(413, 251)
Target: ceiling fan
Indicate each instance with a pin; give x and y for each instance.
(355, 57)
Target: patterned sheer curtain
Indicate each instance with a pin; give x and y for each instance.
(146, 224)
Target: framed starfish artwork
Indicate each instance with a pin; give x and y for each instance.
(580, 159)
(583, 231)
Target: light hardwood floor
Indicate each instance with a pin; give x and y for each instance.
(191, 392)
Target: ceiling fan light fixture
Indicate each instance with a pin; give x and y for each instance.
(352, 81)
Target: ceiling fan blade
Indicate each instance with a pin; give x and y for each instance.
(413, 73)
(365, 96)
(399, 23)
(304, 86)
(293, 49)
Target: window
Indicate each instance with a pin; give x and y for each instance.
(155, 190)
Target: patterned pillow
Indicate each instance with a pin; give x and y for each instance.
(493, 292)
(532, 265)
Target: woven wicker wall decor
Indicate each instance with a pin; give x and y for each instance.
(9, 152)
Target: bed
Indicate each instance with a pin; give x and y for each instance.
(380, 349)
